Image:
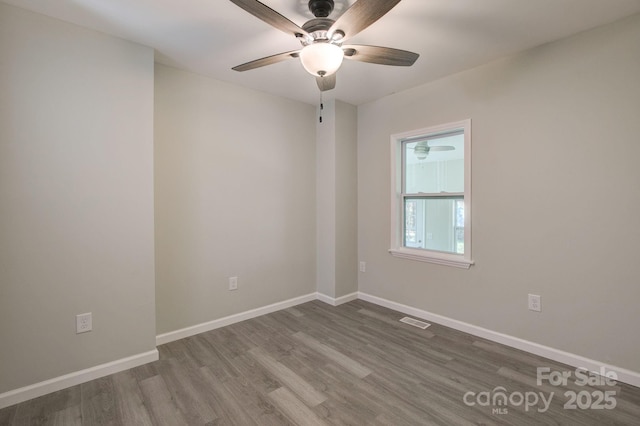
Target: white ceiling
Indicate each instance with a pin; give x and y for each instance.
(211, 36)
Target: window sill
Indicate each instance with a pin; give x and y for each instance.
(432, 257)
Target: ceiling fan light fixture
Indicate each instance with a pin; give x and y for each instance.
(321, 59)
(421, 151)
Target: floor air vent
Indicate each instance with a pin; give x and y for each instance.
(415, 322)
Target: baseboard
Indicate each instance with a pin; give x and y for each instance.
(161, 339)
(337, 301)
(171, 336)
(19, 395)
(577, 361)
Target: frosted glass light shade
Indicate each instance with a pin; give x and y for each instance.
(421, 150)
(321, 59)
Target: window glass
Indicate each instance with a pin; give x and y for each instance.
(434, 165)
(431, 224)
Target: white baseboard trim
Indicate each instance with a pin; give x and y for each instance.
(35, 390)
(171, 336)
(337, 301)
(577, 361)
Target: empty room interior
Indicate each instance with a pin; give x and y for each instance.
(192, 235)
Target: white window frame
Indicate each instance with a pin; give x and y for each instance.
(397, 198)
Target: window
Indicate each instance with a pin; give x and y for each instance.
(431, 194)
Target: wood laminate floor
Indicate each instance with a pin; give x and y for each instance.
(316, 364)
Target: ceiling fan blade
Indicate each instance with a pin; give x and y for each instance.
(379, 55)
(442, 148)
(273, 59)
(270, 16)
(326, 83)
(360, 15)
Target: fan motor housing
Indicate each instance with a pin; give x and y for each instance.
(318, 24)
(321, 8)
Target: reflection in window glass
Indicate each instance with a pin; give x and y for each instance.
(410, 224)
(459, 229)
(433, 224)
(433, 191)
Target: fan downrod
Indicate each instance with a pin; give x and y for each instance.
(321, 8)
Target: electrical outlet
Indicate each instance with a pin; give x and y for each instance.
(84, 323)
(534, 303)
(233, 283)
(363, 266)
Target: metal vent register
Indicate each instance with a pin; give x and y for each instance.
(415, 322)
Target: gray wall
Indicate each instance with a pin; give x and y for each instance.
(76, 198)
(326, 201)
(235, 196)
(346, 197)
(555, 195)
(336, 205)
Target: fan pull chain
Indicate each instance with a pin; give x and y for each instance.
(321, 107)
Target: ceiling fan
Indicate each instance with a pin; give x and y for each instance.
(322, 38)
(422, 149)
